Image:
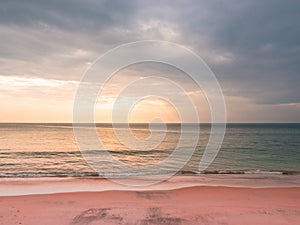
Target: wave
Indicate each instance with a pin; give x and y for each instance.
(284, 172)
(79, 153)
(24, 175)
(95, 174)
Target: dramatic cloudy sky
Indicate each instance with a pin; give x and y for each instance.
(252, 46)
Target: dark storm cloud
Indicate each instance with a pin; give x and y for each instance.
(263, 38)
(252, 46)
(41, 27)
(68, 14)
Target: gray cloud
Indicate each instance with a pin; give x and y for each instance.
(261, 37)
(252, 46)
(69, 14)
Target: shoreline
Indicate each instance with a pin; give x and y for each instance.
(53, 185)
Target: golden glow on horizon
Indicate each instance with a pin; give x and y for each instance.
(152, 109)
(32, 99)
(144, 111)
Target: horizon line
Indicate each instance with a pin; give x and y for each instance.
(70, 123)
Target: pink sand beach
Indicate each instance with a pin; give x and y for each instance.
(250, 199)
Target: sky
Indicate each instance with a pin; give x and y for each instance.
(252, 47)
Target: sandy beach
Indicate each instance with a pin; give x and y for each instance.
(150, 112)
(204, 204)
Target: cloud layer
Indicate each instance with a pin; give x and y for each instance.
(252, 46)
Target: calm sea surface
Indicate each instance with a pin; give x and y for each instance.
(29, 150)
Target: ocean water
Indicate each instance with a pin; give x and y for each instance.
(30, 150)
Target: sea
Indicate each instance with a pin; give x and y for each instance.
(52, 150)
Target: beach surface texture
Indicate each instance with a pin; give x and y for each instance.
(244, 199)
